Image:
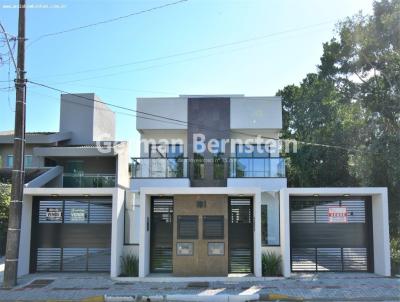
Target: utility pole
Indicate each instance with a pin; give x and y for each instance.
(18, 174)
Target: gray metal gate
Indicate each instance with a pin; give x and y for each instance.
(240, 235)
(321, 243)
(71, 234)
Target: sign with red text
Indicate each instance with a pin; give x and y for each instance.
(337, 215)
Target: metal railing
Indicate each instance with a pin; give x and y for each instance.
(256, 167)
(76, 180)
(159, 167)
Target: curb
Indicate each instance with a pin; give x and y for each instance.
(183, 298)
(197, 298)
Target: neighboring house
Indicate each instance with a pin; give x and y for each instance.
(74, 190)
(187, 211)
(215, 212)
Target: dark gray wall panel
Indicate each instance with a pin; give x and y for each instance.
(211, 117)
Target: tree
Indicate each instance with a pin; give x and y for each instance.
(352, 102)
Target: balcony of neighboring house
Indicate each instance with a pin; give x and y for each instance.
(86, 172)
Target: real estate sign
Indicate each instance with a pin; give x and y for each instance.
(337, 215)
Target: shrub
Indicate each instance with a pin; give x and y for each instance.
(395, 253)
(271, 264)
(130, 265)
(5, 196)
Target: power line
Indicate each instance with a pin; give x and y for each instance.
(195, 50)
(105, 21)
(190, 123)
(103, 109)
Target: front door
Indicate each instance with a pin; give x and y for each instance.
(240, 235)
(162, 212)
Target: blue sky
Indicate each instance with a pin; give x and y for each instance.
(257, 67)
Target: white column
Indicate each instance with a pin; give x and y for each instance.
(117, 231)
(25, 239)
(144, 238)
(285, 232)
(381, 240)
(257, 234)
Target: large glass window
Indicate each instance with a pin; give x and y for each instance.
(270, 222)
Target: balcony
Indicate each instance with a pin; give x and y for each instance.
(159, 168)
(257, 167)
(74, 180)
(239, 167)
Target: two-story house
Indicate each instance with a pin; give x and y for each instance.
(74, 190)
(207, 196)
(210, 196)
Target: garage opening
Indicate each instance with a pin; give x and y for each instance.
(71, 235)
(331, 234)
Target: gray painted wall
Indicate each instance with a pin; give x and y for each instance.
(88, 121)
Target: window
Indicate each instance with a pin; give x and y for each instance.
(10, 161)
(28, 161)
(187, 227)
(213, 227)
(270, 222)
(252, 161)
(198, 166)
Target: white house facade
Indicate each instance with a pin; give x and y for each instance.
(207, 196)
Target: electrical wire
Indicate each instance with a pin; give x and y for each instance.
(194, 51)
(105, 21)
(190, 123)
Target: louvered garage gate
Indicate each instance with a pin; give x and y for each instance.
(71, 234)
(330, 234)
(161, 236)
(240, 235)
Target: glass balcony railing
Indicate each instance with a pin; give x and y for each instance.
(261, 167)
(159, 167)
(75, 180)
(239, 167)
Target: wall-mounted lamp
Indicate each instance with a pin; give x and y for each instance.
(54, 195)
(346, 195)
(316, 195)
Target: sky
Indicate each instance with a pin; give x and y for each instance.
(251, 47)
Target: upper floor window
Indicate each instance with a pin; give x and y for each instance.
(165, 151)
(27, 163)
(10, 161)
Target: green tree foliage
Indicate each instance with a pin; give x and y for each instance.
(352, 101)
(5, 197)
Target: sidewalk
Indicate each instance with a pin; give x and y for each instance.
(327, 286)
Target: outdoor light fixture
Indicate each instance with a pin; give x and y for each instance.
(86, 195)
(315, 195)
(54, 195)
(346, 195)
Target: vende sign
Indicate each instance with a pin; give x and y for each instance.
(337, 215)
